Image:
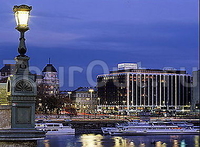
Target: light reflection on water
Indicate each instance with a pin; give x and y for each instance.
(92, 140)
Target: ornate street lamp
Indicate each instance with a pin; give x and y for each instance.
(22, 14)
(22, 88)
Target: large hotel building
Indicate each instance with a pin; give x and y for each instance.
(136, 89)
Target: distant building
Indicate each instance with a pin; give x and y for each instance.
(39, 79)
(196, 90)
(6, 71)
(85, 100)
(139, 89)
(47, 83)
(50, 80)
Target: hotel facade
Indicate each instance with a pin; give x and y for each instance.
(139, 89)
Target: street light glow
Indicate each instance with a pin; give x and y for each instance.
(22, 14)
(21, 18)
(91, 90)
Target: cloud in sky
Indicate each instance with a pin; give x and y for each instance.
(75, 32)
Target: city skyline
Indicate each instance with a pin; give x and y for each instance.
(80, 34)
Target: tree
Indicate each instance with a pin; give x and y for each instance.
(46, 103)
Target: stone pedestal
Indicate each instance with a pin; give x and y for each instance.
(21, 92)
(18, 120)
(9, 134)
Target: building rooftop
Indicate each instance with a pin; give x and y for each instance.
(85, 89)
(49, 68)
(4, 80)
(9, 68)
(150, 71)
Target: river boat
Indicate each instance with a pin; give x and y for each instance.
(106, 130)
(153, 128)
(55, 128)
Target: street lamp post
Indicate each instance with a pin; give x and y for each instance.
(91, 91)
(99, 100)
(22, 88)
(69, 94)
(99, 103)
(84, 110)
(22, 14)
(124, 108)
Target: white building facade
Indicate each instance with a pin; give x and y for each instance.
(139, 89)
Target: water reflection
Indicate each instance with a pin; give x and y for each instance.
(196, 141)
(91, 140)
(46, 143)
(175, 143)
(183, 144)
(97, 140)
(119, 141)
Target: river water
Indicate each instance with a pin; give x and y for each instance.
(97, 140)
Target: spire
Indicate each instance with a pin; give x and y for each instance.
(49, 60)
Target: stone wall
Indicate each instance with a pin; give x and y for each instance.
(18, 144)
(5, 117)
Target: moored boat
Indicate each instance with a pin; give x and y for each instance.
(55, 128)
(106, 130)
(154, 128)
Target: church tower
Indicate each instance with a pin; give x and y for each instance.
(50, 80)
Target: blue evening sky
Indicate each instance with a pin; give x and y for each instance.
(85, 38)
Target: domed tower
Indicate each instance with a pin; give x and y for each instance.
(50, 80)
